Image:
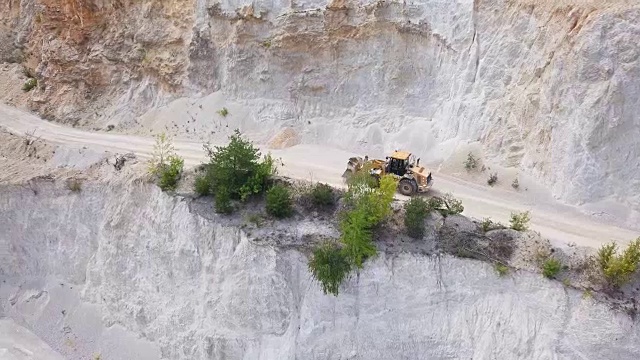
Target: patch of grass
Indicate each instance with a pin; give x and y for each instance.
(471, 162)
(520, 221)
(29, 84)
(279, 203)
(551, 267)
(322, 195)
(223, 112)
(493, 178)
(501, 269)
(330, 266)
(618, 268)
(256, 219)
(416, 210)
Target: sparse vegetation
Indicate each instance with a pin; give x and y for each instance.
(74, 185)
(487, 225)
(520, 221)
(618, 268)
(493, 178)
(416, 209)
(322, 195)
(29, 84)
(256, 219)
(201, 186)
(471, 163)
(279, 203)
(330, 266)
(515, 184)
(235, 172)
(501, 269)
(266, 44)
(223, 112)
(165, 165)
(551, 267)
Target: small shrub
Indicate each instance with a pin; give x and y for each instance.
(471, 162)
(171, 173)
(29, 84)
(266, 44)
(566, 282)
(493, 178)
(223, 112)
(201, 186)
(223, 201)
(515, 184)
(74, 185)
(551, 267)
(279, 202)
(416, 210)
(322, 195)
(501, 269)
(520, 221)
(487, 224)
(618, 268)
(330, 267)
(165, 164)
(452, 206)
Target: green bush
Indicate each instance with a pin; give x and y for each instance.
(551, 267)
(416, 209)
(329, 266)
(446, 205)
(223, 201)
(29, 84)
(322, 195)
(170, 173)
(487, 224)
(520, 221)
(237, 170)
(279, 202)
(618, 268)
(223, 112)
(201, 186)
(502, 270)
(165, 165)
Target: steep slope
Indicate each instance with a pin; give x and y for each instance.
(125, 271)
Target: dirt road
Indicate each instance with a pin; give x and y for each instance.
(560, 223)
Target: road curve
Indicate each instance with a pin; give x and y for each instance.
(560, 223)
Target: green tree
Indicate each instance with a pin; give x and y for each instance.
(236, 171)
(329, 266)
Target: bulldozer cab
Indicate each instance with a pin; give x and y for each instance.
(398, 163)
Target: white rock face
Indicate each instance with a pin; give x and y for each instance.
(129, 272)
(551, 89)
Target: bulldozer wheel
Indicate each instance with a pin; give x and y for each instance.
(407, 187)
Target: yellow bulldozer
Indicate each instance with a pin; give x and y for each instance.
(412, 178)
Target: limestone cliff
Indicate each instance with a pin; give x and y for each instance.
(127, 272)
